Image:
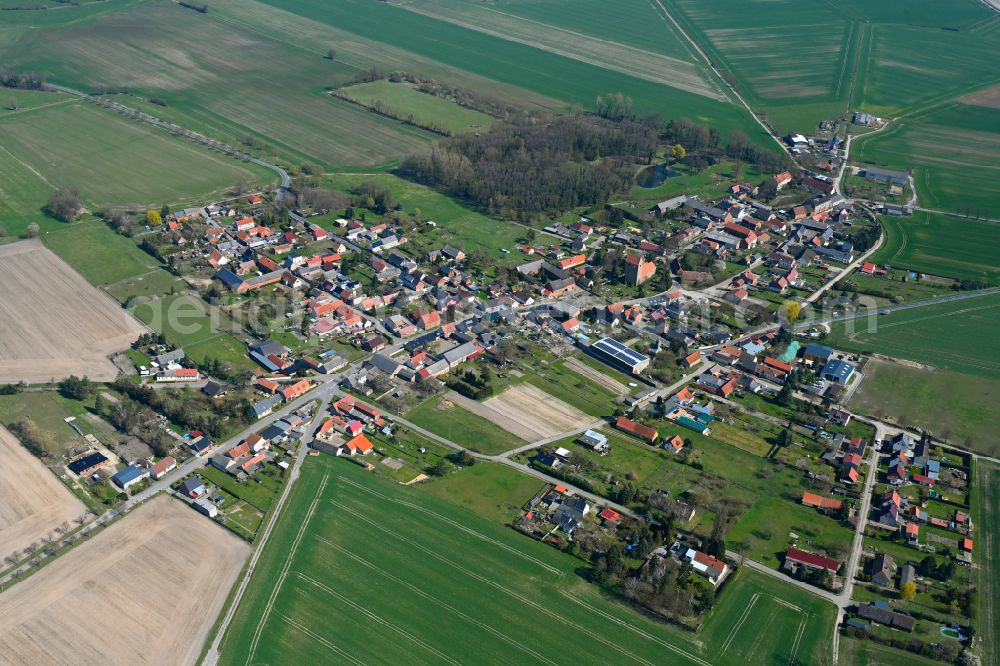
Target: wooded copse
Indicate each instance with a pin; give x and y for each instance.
(528, 166)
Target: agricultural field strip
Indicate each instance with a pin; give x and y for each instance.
(513, 642)
(457, 525)
(377, 619)
(629, 60)
(488, 581)
(284, 571)
(32, 500)
(988, 574)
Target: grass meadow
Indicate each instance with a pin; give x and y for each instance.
(203, 331)
(97, 253)
(463, 427)
(942, 245)
(403, 99)
(113, 160)
(442, 584)
(955, 405)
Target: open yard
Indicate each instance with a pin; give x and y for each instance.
(41, 295)
(436, 583)
(530, 413)
(444, 417)
(145, 590)
(32, 500)
(958, 406)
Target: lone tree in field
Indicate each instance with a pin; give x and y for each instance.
(64, 204)
(12, 104)
(331, 54)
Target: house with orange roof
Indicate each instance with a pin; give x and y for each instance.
(266, 385)
(675, 444)
(644, 432)
(819, 502)
(297, 389)
(356, 446)
(691, 359)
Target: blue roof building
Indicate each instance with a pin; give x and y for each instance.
(838, 371)
(129, 476)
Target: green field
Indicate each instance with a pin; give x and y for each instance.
(457, 224)
(529, 65)
(272, 90)
(48, 410)
(984, 508)
(941, 245)
(203, 331)
(494, 491)
(768, 522)
(463, 427)
(361, 569)
(956, 405)
(954, 151)
(112, 160)
(98, 253)
(960, 335)
(403, 99)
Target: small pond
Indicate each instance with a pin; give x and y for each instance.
(655, 175)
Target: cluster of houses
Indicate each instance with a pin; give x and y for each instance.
(343, 432)
(145, 469)
(249, 456)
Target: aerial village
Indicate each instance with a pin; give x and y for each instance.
(665, 331)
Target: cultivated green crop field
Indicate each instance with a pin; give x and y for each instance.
(361, 569)
(111, 160)
(941, 245)
(961, 335)
(403, 99)
(954, 152)
(563, 77)
(985, 513)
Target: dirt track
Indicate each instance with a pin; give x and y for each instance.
(32, 501)
(144, 591)
(596, 376)
(53, 323)
(532, 411)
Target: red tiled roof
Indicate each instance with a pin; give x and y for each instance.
(637, 429)
(812, 560)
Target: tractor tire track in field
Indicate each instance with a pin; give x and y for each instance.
(739, 623)
(284, 571)
(322, 641)
(634, 629)
(429, 597)
(378, 619)
(457, 525)
(514, 595)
